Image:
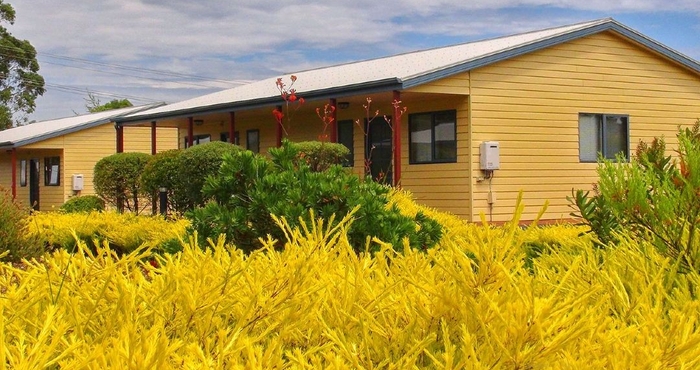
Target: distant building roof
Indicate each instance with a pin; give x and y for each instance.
(38, 131)
(401, 71)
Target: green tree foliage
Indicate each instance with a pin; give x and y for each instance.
(117, 181)
(249, 189)
(94, 105)
(655, 196)
(20, 82)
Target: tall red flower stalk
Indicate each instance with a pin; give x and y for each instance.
(289, 95)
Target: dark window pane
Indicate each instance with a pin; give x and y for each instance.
(421, 138)
(615, 136)
(52, 171)
(445, 140)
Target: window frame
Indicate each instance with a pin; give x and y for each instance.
(247, 140)
(48, 171)
(601, 140)
(433, 114)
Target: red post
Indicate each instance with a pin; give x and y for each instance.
(153, 137)
(334, 123)
(397, 138)
(279, 130)
(190, 131)
(232, 127)
(13, 162)
(120, 139)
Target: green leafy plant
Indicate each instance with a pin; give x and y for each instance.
(15, 242)
(163, 171)
(84, 203)
(655, 196)
(117, 181)
(249, 189)
(320, 156)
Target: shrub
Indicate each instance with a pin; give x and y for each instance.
(320, 156)
(117, 181)
(249, 189)
(194, 165)
(163, 170)
(654, 196)
(13, 236)
(122, 232)
(84, 203)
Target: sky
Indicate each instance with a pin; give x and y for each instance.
(172, 50)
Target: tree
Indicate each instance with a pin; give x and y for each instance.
(20, 82)
(92, 103)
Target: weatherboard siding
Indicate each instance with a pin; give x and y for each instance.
(81, 150)
(531, 105)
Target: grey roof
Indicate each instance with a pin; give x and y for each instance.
(401, 71)
(39, 131)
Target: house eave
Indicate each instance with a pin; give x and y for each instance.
(332, 92)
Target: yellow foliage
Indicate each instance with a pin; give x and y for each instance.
(469, 303)
(125, 232)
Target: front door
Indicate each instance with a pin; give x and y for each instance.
(378, 150)
(34, 183)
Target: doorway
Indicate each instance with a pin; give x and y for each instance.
(379, 150)
(34, 175)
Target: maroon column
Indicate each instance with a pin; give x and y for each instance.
(279, 130)
(153, 137)
(13, 161)
(120, 139)
(232, 127)
(190, 131)
(334, 123)
(397, 139)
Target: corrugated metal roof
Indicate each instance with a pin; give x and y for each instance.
(400, 71)
(38, 131)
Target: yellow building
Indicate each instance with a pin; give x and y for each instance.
(45, 163)
(538, 106)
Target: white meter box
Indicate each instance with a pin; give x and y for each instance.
(489, 155)
(77, 182)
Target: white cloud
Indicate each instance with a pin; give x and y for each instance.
(249, 39)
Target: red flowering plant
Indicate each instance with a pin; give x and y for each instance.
(291, 103)
(369, 120)
(327, 119)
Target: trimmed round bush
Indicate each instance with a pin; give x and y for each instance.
(84, 203)
(162, 171)
(320, 156)
(117, 181)
(194, 165)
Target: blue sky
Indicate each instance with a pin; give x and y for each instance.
(171, 50)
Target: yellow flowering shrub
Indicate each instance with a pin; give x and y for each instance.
(124, 232)
(317, 304)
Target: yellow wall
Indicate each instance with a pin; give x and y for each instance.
(531, 105)
(79, 153)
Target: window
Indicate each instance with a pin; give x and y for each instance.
(252, 140)
(433, 137)
(52, 171)
(224, 137)
(345, 137)
(23, 172)
(607, 134)
(198, 139)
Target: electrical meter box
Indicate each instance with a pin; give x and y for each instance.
(490, 154)
(77, 182)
